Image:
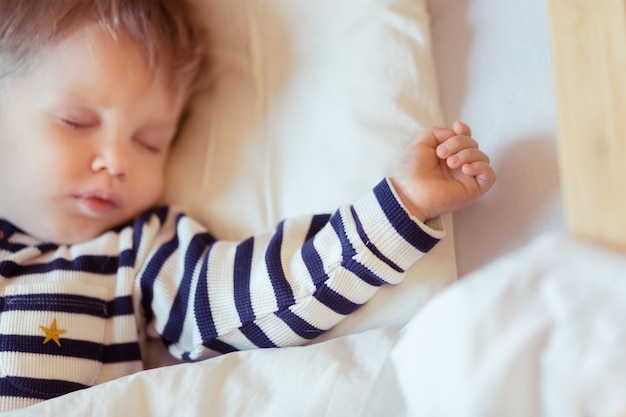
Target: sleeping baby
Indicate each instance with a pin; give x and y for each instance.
(91, 96)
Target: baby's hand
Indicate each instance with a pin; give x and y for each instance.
(441, 171)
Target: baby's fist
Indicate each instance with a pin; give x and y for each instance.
(442, 170)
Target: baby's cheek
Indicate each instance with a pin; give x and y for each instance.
(147, 185)
(151, 191)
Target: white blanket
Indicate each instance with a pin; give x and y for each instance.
(538, 333)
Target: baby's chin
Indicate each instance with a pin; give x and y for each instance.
(73, 238)
(75, 233)
(66, 237)
(62, 226)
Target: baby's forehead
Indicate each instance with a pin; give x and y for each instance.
(162, 30)
(116, 51)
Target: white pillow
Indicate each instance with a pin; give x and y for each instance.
(309, 104)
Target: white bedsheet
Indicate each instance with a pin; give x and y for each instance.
(494, 70)
(538, 333)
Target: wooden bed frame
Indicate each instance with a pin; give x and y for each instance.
(589, 60)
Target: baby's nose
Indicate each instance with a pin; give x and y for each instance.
(111, 159)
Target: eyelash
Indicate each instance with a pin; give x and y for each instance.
(74, 125)
(150, 148)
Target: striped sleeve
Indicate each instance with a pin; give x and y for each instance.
(206, 296)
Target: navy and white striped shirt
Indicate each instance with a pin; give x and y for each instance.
(74, 316)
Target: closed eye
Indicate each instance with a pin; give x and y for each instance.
(74, 124)
(149, 147)
(154, 140)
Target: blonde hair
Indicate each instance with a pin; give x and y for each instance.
(163, 29)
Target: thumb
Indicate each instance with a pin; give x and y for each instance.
(461, 128)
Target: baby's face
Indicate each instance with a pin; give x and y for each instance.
(84, 138)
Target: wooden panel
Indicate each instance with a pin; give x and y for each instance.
(589, 57)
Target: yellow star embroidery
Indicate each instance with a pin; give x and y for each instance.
(52, 333)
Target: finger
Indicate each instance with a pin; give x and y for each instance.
(461, 128)
(431, 137)
(483, 173)
(442, 134)
(454, 145)
(466, 156)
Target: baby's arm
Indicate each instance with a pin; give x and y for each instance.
(281, 288)
(442, 171)
(287, 286)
